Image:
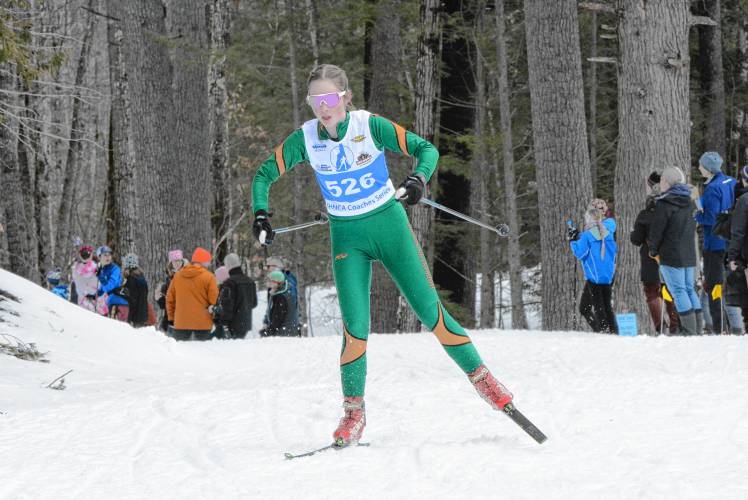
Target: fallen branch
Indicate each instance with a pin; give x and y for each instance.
(61, 385)
(21, 350)
(597, 7)
(702, 20)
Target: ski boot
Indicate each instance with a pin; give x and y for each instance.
(489, 388)
(351, 426)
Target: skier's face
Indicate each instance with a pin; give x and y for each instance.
(105, 258)
(327, 104)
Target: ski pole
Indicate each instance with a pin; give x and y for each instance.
(319, 219)
(502, 229)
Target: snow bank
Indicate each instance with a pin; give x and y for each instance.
(145, 417)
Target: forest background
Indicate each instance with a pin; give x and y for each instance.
(140, 123)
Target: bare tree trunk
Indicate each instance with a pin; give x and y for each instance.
(593, 103)
(514, 257)
(298, 238)
(10, 174)
(560, 146)
(220, 27)
(121, 197)
(73, 161)
(311, 12)
(426, 84)
(712, 77)
(654, 119)
(383, 99)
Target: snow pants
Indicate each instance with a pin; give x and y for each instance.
(386, 236)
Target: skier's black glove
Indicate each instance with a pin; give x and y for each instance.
(572, 234)
(262, 223)
(413, 186)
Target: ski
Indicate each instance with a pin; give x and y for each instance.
(518, 418)
(333, 446)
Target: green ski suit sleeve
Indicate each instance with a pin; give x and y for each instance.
(391, 136)
(286, 156)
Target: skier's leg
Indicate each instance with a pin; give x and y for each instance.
(586, 308)
(403, 258)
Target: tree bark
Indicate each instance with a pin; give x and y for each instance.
(712, 78)
(560, 146)
(383, 99)
(654, 120)
(311, 12)
(514, 256)
(421, 217)
(593, 102)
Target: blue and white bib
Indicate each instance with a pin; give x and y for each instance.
(352, 173)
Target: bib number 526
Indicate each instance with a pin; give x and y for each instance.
(350, 185)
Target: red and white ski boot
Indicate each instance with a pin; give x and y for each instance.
(489, 388)
(351, 426)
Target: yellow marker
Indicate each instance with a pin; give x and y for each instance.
(666, 294)
(717, 292)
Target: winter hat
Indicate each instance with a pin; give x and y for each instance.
(86, 250)
(274, 261)
(599, 204)
(711, 161)
(653, 179)
(175, 255)
(129, 261)
(232, 261)
(673, 176)
(102, 250)
(222, 274)
(201, 256)
(53, 277)
(277, 276)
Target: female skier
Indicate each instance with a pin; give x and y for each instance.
(367, 223)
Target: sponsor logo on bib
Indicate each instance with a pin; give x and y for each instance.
(325, 168)
(363, 158)
(319, 147)
(342, 158)
(359, 138)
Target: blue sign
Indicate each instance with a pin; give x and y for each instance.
(626, 324)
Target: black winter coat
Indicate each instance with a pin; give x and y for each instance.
(235, 303)
(164, 326)
(136, 293)
(672, 233)
(650, 271)
(281, 315)
(737, 249)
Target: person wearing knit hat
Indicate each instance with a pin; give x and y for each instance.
(190, 299)
(135, 290)
(237, 298)
(281, 322)
(85, 280)
(649, 269)
(110, 284)
(175, 255)
(718, 197)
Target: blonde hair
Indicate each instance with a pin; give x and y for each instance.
(329, 72)
(333, 73)
(673, 176)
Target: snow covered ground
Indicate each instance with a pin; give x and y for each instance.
(145, 417)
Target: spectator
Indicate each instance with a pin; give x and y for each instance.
(236, 300)
(719, 195)
(190, 299)
(282, 321)
(671, 242)
(176, 262)
(219, 332)
(650, 271)
(135, 290)
(273, 264)
(54, 284)
(596, 248)
(110, 285)
(85, 279)
(737, 251)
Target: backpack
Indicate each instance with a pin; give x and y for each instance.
(722, 225)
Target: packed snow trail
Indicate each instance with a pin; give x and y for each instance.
(145, 417)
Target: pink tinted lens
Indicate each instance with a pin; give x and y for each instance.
(330, 100)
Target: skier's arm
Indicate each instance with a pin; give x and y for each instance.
(581, 247)
(113, 281)
(656, 231)
(391, 136)
(286, 156)
(638, 235)
(710, 202)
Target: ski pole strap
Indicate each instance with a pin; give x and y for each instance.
(502, 229)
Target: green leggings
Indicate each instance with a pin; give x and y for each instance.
(386, 236)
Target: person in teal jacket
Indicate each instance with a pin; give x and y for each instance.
(596, 249)
(345, 148)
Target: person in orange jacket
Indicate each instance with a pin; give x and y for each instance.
(189, 302)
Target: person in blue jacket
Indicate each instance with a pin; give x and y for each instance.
(54, 284)
(718, 196)
(596, 249)
(110, 283)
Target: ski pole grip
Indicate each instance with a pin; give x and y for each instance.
(262, 237)
(400, 193)
(502, 230)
